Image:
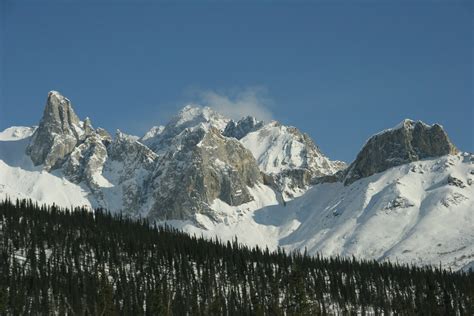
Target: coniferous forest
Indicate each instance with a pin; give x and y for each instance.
(57, 261)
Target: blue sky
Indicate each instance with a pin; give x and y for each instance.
(339, 71)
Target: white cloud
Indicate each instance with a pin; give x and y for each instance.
(240, 103)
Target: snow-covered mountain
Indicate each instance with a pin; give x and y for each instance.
(289, 158)
(408, 196)
(421, 212)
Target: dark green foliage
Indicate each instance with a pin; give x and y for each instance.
(57, 261)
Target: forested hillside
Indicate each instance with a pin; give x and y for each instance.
(80, 262)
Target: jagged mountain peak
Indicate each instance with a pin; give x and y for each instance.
(124, 146)
(191, 116)
(57, 134)
(199, 166)
(56, 96)
(242, 127)
(124, 136)
(408, 141)
(408, 123)
(59, 109)
(405, 124)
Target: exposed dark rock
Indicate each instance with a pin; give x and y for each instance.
(399, 202)
(455, 182)
(202, 166)
(410, 141)
(242, 127)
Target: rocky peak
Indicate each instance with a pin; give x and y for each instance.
(242, 127)
(104, 135)
(60, 114)
(406, 142)
(200, 166)
(127, 147)
(189, 117)
(57, 134)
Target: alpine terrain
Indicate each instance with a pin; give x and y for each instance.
(408, 196)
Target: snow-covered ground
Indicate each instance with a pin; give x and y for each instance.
(410, 214)
(16, 133)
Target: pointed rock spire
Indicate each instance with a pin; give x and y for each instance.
(57, 134)
(87, 126)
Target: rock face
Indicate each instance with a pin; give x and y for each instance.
(200, 166)
(197, 165)
(289, 157)
(242, 127)
(57, 134)
(129, 169)
(86, 160)
(408, 141)
(452, 180)
(126, 148)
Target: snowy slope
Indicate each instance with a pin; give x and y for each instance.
(289, 158)
(236, 221)
(16, 133)
(415, 213)
(20, 179)
(278, 147)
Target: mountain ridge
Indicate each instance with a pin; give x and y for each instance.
(206, 174)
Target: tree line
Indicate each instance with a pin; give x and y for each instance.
(80, 262)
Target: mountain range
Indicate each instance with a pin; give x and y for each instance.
(408, 196)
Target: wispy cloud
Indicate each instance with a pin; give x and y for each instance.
(238, 103)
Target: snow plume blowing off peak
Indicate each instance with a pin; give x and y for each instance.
(238, 104)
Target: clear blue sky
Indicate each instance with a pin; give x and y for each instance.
(339, 72)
